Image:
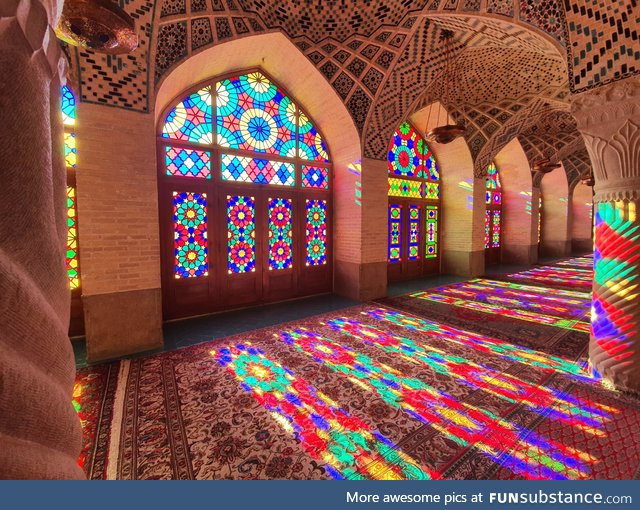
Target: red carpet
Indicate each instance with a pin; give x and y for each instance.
(404, 388)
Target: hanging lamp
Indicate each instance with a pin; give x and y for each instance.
(98, 25)
(544, 166)
(588, 180)
(449, 132)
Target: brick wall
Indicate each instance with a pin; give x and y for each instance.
(117, 200)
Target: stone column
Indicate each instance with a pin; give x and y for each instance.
(609, 120)
(39, 430)
(556, 215)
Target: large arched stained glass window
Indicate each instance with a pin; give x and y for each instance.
(245, 177)
(68, 108)
(493, 215)
(414, 199)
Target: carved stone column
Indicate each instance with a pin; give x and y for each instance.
(39, 430)
(609, 120)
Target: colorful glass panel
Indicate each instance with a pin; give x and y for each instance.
(280, 234)
(241, 234)
(495, 241)
(316, 232)
(68, 107)
(431, 231)
(414, 232)
(70, 151)
(487, 197)
(493, 177)
(395, 232)
(487, 229)
(72, 239)
(253, 114)
(191, 119)
(315, 177)
(190, 235)
(310, 144)
(257, 171)
(405, 156)
(432, 190)
(188, 162)
(430, 166)
(404, 188)
(497, 198)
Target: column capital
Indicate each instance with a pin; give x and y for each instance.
(604, 110)
(609, 120)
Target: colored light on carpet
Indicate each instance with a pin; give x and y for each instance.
(581, 262)
(556, 306)
(549, 274)
(482, 343)
(504, 311)
(541, 399)
(463, 423)
(548, 293)
(327, 432)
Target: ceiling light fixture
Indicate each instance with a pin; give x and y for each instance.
(98, 25)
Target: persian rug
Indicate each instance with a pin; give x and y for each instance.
(554, 276)
(402, 388)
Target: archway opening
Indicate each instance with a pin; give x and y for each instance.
(244, 179)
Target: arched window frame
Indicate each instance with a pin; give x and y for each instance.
(307, 192)
(422, 186)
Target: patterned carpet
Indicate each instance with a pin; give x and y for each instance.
(460, 382)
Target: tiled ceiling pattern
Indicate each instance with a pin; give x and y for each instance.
(337, 19)
(379, 54)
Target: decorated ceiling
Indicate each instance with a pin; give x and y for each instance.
(517, 62)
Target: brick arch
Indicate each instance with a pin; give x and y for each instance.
(275, 54)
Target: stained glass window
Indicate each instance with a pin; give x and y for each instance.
(315, 177)
(405, 188)
(414, 232)
(223, 140)
(395, 232)
(496, 230)
(72, 239)
(68, 107)
(257, 171)
(280, 234)
(493, 201)
(190, 120)
(414, 176)
(493, 177)
(68, 112)
(190, 235)
(253, 114)
(241, 234)
(70, 151)
(188, 162)
(310, 144)
(539, 219)
(432, 190)
(405, 155)
(316, 232)
(432, 231)
(487, 229)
